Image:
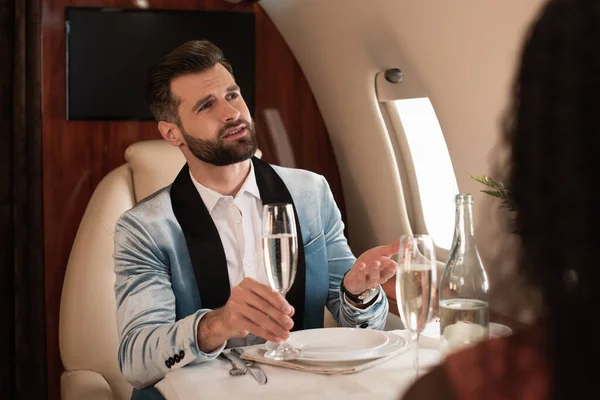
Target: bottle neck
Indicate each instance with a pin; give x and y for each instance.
(464, 221)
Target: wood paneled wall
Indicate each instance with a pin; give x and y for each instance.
(78, 154)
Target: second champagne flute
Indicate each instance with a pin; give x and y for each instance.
(280, 252)
(415, 283)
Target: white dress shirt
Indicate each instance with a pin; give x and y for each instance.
(238, 220)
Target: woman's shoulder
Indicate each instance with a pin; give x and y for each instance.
(511, 367)
(434, 385)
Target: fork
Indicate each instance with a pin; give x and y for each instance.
(254, 369)
(239, 353)
(235, 370)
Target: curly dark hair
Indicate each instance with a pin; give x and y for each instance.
(553, 133)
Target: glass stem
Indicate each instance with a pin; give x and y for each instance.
(416, 354)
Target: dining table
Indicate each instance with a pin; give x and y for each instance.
(385, 380)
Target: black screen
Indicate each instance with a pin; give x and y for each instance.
(109, 52)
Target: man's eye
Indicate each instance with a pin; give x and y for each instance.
(233, 96)
(206, 106)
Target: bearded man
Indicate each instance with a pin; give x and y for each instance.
(190, 279)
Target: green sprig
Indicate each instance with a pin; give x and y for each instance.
(496, 188)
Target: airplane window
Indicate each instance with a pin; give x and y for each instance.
(433, 172)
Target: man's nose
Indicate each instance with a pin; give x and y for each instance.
(229, 113)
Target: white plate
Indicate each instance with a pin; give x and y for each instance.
(394, 343)
(336, 343)
(432, 330)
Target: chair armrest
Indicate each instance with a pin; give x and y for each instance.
(88, 385)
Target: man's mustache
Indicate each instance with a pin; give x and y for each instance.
(229, 125)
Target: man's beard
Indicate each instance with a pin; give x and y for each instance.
(220, 153)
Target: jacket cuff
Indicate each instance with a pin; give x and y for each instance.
(185, 349)
(213, 354)
(346, 303)
(372, 317)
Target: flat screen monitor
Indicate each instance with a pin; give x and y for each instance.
(109, 52)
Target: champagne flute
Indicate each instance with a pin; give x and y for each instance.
(415, 283)
(280, 253)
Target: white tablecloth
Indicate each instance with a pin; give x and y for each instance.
(211, 380)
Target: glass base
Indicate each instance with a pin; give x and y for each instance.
(283, 352)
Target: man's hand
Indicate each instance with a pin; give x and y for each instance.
(251, 308)
(374, 267)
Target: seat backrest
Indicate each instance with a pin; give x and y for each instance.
(87, 327)
(154, 165)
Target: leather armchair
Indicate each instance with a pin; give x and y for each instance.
(87, 327)
(88, 336)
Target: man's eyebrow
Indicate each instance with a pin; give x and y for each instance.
(201, 102)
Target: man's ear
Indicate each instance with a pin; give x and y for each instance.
(170, 132)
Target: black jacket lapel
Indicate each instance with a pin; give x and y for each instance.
(205, 247)
(273, 190)
(203, 241)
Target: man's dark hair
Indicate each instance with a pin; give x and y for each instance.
(189, 58)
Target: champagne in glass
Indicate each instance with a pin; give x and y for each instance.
(415, 286)
(415, 283)
(280, 253)
(281, 258)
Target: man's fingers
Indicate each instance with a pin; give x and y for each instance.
(388, 250)
(260, 331)
(372, 277)
(266, 325)
(361, 275)
(388, 269)
(241, 334)
(269, 295)
(264, 292)
(380, 272)
(372, 267)
(381, 253)
(265, 307)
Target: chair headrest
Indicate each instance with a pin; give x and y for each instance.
(155, 164)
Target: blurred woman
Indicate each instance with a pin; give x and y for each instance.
(553, 134)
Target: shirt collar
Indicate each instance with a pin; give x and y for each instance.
(250, 186)
(211, 198)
